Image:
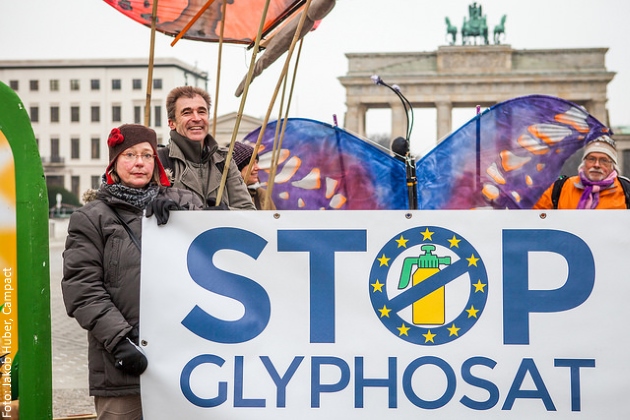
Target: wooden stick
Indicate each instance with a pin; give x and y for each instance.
(147, 105)
(216, 89)
(296, 37)
(239, 115)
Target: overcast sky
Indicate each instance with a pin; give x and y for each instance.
(47, 29)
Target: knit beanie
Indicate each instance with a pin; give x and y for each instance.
(242, 154)
(602, 144)
(126, 136)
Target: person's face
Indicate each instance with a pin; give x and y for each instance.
(135, 165)
(253, 176)
(191, 118)
(597, 166)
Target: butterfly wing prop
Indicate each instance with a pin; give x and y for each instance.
(506, 156)
(241, 23)
(324, 167)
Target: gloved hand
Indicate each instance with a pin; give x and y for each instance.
(161, 207)
(129, 357)
(211, 202)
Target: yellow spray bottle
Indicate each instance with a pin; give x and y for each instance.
(429, 310)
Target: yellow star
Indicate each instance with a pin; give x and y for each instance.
(454, 242)
(384, 260)
(453, 330)
(479, 286)
(472, 260)
(402, 242)
(403, 330)
(385, 311)
(427, 234)
(378, 286)
(429, 337)
(472, 312)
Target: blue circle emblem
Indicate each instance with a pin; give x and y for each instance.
(442, 256)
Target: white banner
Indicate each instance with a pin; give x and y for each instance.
(386, 314)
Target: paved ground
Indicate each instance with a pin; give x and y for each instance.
(69, 341)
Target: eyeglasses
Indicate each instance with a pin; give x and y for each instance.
(131, 157)
(603, 161)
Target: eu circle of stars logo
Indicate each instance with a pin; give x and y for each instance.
(414, 275)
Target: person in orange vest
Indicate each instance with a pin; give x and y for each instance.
(597, 185)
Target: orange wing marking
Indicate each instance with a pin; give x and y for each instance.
(331, 186)
(312, 181)
(576, 118)
(491, 192)
(495, 174)
(288, 170)
(338, 201)
(532, 144)
(511, 162)
(549, 133)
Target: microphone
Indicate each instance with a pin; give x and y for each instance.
(400, 148)
(377, 79)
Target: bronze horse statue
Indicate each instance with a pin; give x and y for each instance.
(499, 30)
(451, 30)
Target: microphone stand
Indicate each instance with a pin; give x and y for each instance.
(410, 164)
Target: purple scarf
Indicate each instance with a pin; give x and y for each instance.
(590, 196)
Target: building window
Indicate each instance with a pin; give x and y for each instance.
(74, 185)
(137, 114)
(14, 84)
(54, 85)
(74, 148)
(157, 84)
(116, 113)
(96, 114)
(74, 114)
(137, 84)
(74, 84)
(34, 114)
(95, 84)
(34, 85)
(54, 150)
(158, 116)
(115, 84)
(95, 181)
(96, 148)
(54, 114)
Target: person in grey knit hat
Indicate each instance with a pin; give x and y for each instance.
(597, 185)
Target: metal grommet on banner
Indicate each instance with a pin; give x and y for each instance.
(543, 215)
(408, 215)
(276, 215)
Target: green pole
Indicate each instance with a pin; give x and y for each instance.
(32, 255)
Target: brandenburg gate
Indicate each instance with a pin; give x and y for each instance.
(470, 75)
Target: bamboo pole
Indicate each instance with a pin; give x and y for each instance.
(239, 114)
(280, 79)
(216, 89)
(277, 149)
(147, 105)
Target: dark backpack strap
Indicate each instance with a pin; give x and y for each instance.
(625, 184)
(557, 189)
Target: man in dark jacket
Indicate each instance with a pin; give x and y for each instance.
(194, 157)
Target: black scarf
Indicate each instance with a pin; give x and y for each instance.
(137, 197)
(191, 150)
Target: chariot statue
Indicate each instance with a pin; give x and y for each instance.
(475, 26)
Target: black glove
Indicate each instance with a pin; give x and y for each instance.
(129, 357)
(161, 207)
(211, 202)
